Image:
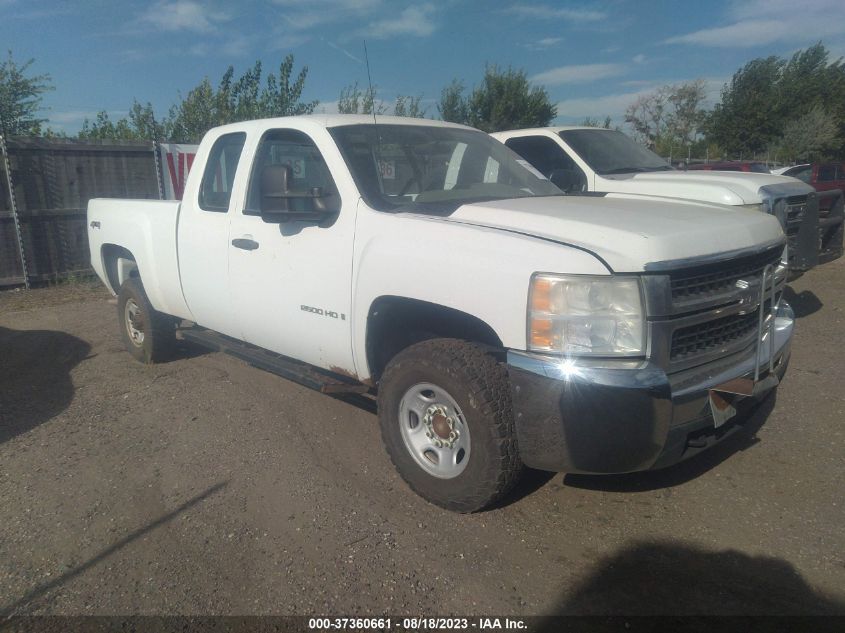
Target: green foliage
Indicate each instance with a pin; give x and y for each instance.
(354, 100)
(409, 106)
(453, 106)
(592, 122)
(205, 107)
(503, 101)
(808, 138)
(20, 98)
(140, 124)
(240, 100)
(769, 96)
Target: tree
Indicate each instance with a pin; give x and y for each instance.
(769, 94)
(240, 100)
(670, 117)
(453, 105)
(746, 119)
(504, 100)
(591, 122)
(647, 116)
(20, 98)
(686, 114)
(140, 124)
(205, 107)
(809, 137)
(409, 106)
(353, 100)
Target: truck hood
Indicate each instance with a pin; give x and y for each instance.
(627, 232)
(722, 187)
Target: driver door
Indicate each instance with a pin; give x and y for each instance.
(290, 281)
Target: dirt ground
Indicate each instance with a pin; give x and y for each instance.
(205, 486)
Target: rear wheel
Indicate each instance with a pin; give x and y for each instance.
(446, 421)
(148, 335)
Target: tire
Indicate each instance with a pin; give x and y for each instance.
(450, 391)
(149, 336)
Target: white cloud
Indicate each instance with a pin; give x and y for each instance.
(415, 21)
(608, 105)
(302, 15)
(638, 59)
(546, 12)
(759, 22)
(577, 74)
(544, 43)
(183, 15)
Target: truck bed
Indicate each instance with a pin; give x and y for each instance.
(144, 232)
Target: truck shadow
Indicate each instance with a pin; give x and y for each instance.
(673, 578)
(803, 303)
(35, 383)
(744, 438)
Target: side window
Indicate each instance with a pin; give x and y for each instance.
(543, 153)
(804, 173)
(827, 173)
(289, 163)
(216, 187)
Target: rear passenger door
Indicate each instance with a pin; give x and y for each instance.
(203, 235)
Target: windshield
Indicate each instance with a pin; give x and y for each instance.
(433, 169)
(611, 152)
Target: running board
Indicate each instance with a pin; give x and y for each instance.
(293, 370)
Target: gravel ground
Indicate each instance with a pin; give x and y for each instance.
(205, 486)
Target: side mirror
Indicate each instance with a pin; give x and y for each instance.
(568, 180)
(280, 204)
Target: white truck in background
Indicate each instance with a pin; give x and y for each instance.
(588, 159)
(497, 321)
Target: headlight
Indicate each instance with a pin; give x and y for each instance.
(583, 315)
(757, 206)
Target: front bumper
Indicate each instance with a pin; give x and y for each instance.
(586, 416)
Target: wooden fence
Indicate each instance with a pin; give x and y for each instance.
(45, 186)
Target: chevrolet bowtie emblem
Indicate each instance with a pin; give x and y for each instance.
(748, 297)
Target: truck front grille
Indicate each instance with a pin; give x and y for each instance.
(694, 284)
(699, 339)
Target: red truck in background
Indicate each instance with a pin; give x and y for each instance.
(820, 176)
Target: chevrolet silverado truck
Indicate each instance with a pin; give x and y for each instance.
(495, 321)
(586, 159)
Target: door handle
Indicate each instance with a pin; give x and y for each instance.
(245, 243)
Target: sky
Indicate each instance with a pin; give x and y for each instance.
(593, 58)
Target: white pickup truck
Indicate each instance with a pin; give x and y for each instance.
(498, 322)
(587, 159)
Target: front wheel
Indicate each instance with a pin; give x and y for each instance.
(148, 335)
(446, 421)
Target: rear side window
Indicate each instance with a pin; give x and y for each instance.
(219, 175)
(543, 153)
